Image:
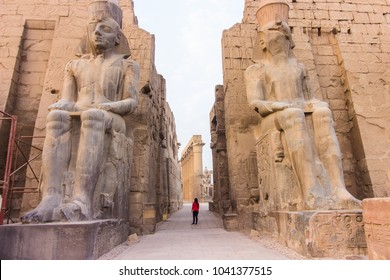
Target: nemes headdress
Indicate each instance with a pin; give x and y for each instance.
(271, 11)
(271, 14)
(99, 10)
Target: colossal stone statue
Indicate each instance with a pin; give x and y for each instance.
(277, 88)
(99, 89)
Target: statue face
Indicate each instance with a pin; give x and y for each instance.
(276, 38)
(276, 42)
(105, 35)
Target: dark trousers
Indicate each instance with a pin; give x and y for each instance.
(195, 217)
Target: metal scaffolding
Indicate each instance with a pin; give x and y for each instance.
(16, 160)
(4, 184)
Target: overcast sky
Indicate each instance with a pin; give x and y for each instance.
(188, 54)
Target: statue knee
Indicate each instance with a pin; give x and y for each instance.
(58, 120)
(322, 115)
(92, 118)
(292, 118)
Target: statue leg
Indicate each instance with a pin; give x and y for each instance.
(89, 160)
(55, 161)
(300, 149)
(328, 150)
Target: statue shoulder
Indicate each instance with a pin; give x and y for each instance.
(72, 64)
(132, 68)
(130, 63)
(255, 70)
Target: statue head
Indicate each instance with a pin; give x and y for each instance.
(276, 37)
(104, 35)
(103, 11)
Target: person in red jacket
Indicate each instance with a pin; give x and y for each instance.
(195, 211)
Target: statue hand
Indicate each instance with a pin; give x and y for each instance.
(62, 105)
(279, 106)
(264, 108)
(316, 103)
(104, 106)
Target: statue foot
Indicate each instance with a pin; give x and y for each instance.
(316, 199)
(317, 203)
(46, 211)
(75, 211)
(344, 200)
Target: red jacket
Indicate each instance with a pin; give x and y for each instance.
(195, 206)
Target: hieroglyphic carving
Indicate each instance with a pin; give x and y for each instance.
(265, 173)
(279, 189)
(336, 234)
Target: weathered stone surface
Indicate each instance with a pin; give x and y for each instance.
(61, 241)
(376, 215)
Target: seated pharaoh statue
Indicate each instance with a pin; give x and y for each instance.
(278, 90)
(99, 89)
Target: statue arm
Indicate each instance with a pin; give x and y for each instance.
(69, 91)
(130, 89)
(313, 102)
(254, 76)
(307, 93)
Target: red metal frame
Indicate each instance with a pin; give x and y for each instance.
(8, 163)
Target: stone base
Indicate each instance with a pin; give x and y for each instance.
(212, 206)
(230, 222)
(316, 234)
(376, 213)
(61, 241)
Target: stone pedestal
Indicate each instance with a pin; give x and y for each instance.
(61, 241)
(230, 222)
(376, 216)
(149, 218)
(316, 234)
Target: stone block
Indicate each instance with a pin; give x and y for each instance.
(376, 18)
(337, 15)
(230, 222)
(61, 241)
(376, 216)
(361, 17)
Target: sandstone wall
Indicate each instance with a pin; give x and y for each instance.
(37, 39)
(344, 45)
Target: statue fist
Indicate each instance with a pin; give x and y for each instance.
(62, 105)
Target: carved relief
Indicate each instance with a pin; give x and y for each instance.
(336, 234)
